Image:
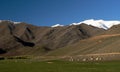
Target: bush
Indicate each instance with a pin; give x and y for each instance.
(2, 58)
(18, 57)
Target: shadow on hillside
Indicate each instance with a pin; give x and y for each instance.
(30, 44)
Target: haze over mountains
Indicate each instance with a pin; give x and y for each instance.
(84, 38)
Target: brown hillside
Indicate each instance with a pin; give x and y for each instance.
(17, 36)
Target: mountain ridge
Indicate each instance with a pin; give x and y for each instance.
(22, 35)
(73, 40)
(97, 23)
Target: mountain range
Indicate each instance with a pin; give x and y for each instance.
(96, 38)
(97, 23)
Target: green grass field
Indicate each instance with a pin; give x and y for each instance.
(57, 66)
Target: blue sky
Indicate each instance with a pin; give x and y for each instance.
(50, 12)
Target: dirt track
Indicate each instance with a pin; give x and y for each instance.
(104, 36)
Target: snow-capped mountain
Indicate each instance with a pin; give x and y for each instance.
(27, 38)
(97, 23)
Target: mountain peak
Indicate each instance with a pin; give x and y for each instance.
(96, 23)
(10, 21)
(101, 23)
(57, 25)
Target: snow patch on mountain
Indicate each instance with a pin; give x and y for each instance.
(57, 25)
(16, 22)
(10, 21)
(0, 21)
(100, 23)
(96, 23)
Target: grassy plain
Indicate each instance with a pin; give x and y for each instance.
(58, 66)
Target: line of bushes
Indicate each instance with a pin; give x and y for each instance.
(15, 57)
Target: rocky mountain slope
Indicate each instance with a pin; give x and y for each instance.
(15, 38)
(80, 41)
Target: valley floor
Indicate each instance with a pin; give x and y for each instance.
(58, 66)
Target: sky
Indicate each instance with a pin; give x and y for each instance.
(50, 12)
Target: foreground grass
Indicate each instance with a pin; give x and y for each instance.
(57, 66)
